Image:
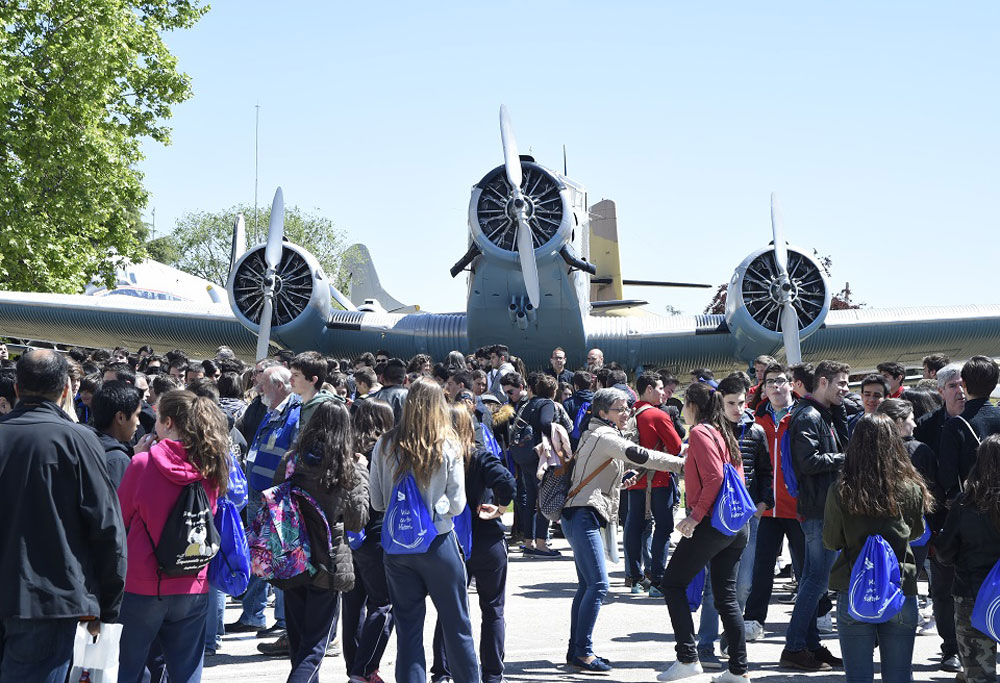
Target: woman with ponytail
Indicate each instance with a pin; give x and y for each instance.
(191, 445)
(711, 445)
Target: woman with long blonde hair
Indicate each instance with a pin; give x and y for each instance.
(424, 445)
(192, 447)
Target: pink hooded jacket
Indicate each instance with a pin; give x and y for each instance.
(151, 486)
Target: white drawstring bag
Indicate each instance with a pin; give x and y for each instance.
(96, 657)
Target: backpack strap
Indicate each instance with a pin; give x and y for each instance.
(961, 484)
(589, 478)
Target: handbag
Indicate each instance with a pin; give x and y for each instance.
(95, 658)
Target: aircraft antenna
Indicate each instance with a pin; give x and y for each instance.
(565, 171)
(256, 137)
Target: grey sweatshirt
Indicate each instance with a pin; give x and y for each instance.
(447, 483)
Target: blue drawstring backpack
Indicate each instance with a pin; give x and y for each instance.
(407, 528)
(876, 592)
(787, 469)
(463, 530)
(229, 570)
(924, 537)
(695, 590)
(733, 506)
(236, 491)
(356, 539)
(986, 610)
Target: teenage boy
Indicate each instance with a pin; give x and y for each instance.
(817, 436)
(894, 374)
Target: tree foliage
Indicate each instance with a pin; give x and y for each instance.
(82, 82)
(201, 242)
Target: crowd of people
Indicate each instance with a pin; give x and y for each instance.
(99, 450)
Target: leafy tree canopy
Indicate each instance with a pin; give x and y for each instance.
(201, 243)
(82, 82)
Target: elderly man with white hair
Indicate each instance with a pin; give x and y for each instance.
(274, 437)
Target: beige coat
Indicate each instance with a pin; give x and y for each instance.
(602, 442)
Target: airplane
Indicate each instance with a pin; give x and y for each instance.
(533, 283)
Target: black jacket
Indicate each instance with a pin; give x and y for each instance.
(971, 543)
(395, 396)
(62, 541)
(817, 436)
(250, 420)
(564, 376)
(957, 448)
(117, 456)
(487, 480)
(572, 406)
(757, 470)
(929, 427)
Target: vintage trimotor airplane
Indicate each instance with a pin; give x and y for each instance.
(543, 272)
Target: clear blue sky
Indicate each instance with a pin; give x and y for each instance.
(877, 124)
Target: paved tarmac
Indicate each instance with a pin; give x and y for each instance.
(633, 631)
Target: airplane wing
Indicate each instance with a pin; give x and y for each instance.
(198, 328)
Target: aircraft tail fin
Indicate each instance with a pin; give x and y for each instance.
(364, 281)
(604, 252)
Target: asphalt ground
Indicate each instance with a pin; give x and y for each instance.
(633, 631)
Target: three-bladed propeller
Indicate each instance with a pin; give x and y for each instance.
(525, 242)
(272, 258)
(789, 317)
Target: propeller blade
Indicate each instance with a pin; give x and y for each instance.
(275, 231)
(239, 241)
(526, 251)
(778, 231)
(790, 333)
(510, 156)
(264, 333)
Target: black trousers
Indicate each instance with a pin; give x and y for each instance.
(722, 555)
(311, 620)
(942, 578)
(367, 612)
(770, 532)
(488, 566)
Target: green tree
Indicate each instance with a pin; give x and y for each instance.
(202, 241)
(82, 82)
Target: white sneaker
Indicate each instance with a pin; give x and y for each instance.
(753, 630)
(679, 670)
(928, 627)
(728, 676)
(824, 624)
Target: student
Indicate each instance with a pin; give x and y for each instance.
(591, 505)
(323, 465)
(193, 446)
(895, 375)
(878, 492)
(711, 445)
(489, 487)
(367, 611)
(970, 542)
(425, 446)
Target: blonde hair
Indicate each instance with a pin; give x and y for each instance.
(204, 431)
(465, 431)
(425, 426)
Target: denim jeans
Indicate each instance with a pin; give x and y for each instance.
(818, 561)
(36, 649)
(215, 627)
(661, 505)
(533, 524)
(721, 554)
(255, 599)
(176, 621)
(894, 638)
(708, 628)
(770, 532)
(582, 529)
(440, 573)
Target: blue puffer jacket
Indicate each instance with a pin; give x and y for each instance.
(274, 437)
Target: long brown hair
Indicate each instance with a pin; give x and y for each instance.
(425, 426)
(465, 431)
(329, 437)
(204, 431)
(371, 418)
(708, 402)
(878, 473)
(982, 488)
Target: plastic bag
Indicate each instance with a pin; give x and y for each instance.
(96, 659)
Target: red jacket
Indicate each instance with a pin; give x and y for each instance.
(656, 432)
(706, 455)
(784, 503)
(151, 486)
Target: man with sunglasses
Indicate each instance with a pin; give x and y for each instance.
(780, 521)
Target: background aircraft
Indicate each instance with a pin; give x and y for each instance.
(542, 272)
